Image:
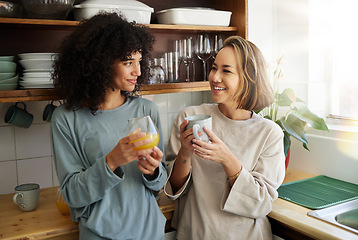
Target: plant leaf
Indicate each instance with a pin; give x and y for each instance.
(305, 146)
(312, 119)
(267, 117)
(286, 143)
(287, 97)
(294, 126)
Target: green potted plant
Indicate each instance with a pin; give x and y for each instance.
(297, 116)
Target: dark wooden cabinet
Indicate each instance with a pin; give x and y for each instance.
(38, 35)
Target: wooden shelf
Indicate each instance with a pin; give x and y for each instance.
(28, 95)
(157, 27)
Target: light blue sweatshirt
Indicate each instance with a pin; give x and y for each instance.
(113, 205)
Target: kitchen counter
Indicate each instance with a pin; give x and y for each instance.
(46, 222)
(288, 220)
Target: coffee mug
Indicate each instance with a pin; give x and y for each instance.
(27, 196)
(18, 116)
(198, 122)
(48, 111)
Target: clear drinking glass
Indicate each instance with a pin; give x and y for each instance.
(146, 125)
(218, 44)
(203, 51)
(157, 74)
(186, 55)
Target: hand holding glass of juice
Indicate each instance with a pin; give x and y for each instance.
(146, 125)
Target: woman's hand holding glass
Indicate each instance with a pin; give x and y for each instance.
(139, 144)
(124, 152)
(149, 162)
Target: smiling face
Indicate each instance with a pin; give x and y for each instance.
(224, 77)
(125, 73)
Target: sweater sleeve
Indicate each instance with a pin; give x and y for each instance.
(254, 191)
(172, 152)
(81, 183)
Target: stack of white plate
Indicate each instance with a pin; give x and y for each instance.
(37, 70)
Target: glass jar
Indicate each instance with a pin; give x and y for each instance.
(157, 74)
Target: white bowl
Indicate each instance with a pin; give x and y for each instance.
(37, 74)
(35, 85)
(36, 64)
(194, 16)
(132, 10)
(38, 70)
(26, 56)
(41, 80)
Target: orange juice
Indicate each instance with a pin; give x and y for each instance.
(61, 205)
(154, 137)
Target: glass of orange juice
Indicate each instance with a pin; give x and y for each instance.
(61, 205)
(146, 125)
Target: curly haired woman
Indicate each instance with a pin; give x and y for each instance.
(107, 184)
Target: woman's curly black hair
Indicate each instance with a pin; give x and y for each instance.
(83, 68)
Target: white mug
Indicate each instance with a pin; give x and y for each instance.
(198, 122)
(27, 196)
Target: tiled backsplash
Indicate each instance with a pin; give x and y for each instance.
(26, 155)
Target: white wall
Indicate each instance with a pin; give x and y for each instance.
(26, 154)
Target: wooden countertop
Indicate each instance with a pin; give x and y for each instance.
(295, 217)
(46, 222)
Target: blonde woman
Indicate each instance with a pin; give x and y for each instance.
(224, 189)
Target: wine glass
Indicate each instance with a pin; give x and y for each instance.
(146, 125)
(203, 51)
(218, 44)
(186, 55)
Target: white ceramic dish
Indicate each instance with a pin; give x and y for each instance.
(37, 74)
(36, 64)
(132, 10)
(194, 16)
(26, 86)
(26, 56)
(38, 70)
(35, 81)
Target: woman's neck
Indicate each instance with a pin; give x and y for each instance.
(113, 99)
(233, 113)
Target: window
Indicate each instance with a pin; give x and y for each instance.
(333, 57)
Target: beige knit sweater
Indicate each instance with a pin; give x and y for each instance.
(207, 207)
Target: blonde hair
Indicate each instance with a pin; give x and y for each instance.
(254, 91)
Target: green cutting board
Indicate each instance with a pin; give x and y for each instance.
(318, 192)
